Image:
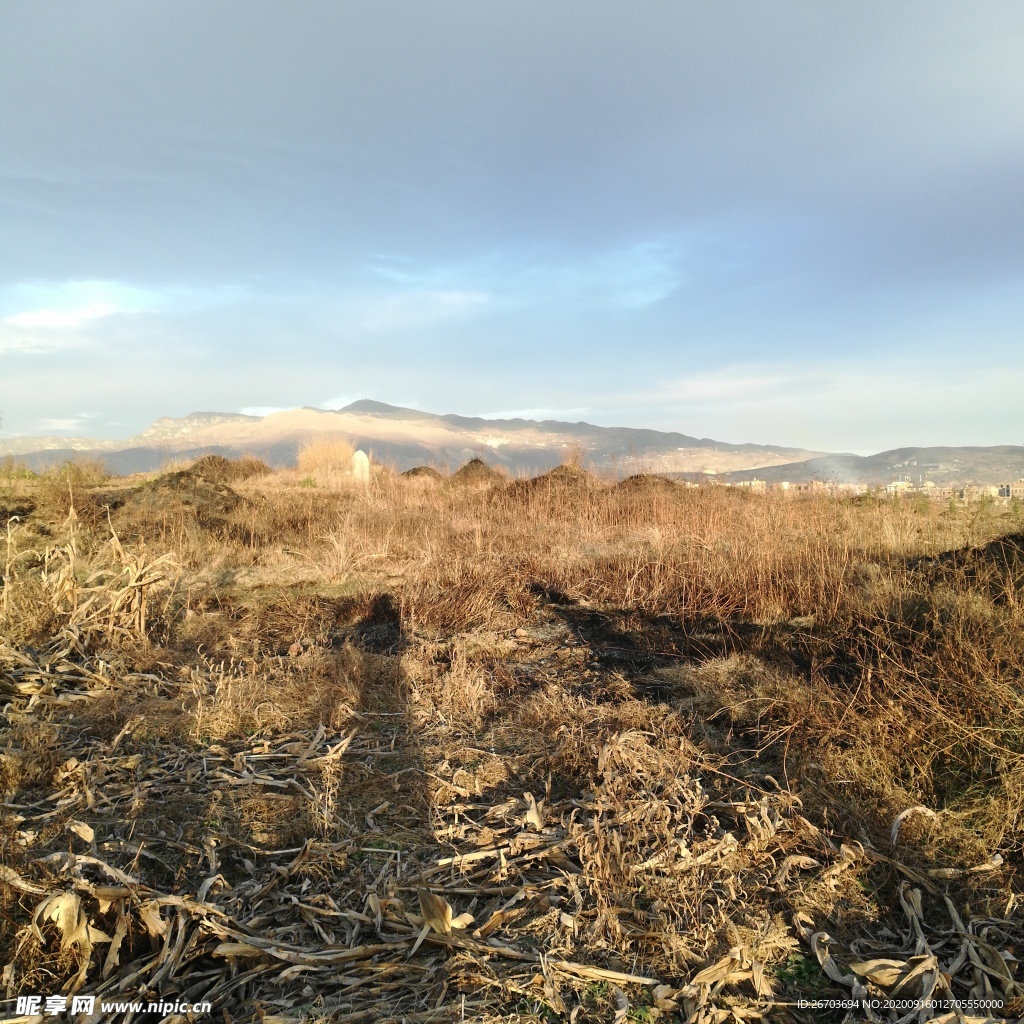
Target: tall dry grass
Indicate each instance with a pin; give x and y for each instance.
(603, 645)
(327, 460)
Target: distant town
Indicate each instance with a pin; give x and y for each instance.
(903, 488)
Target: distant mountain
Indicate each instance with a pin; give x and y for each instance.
(409, 437)
(942, 466)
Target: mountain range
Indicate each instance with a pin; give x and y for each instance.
(405, 438)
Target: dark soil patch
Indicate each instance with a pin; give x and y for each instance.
(422, 473)
(14, 507)
(647, 483)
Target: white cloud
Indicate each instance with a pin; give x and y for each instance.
(262, 410)
(71, 305)
(536, 414)
(61, 425)
(56, 319)
(743, 384)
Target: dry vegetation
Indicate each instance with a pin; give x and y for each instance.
(478, 749)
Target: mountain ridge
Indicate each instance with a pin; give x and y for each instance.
(405, 437)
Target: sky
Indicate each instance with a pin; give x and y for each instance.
(788, 223)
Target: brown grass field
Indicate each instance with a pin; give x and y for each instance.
(482, 749)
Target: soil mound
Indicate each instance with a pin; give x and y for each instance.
(185, 498)
(218, 470)
(422, 473)
(562, 478)
(647, 483)
(559, 483)
(476, 473)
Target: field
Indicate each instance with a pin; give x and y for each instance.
(482, 749)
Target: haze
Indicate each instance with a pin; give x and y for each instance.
(790, 223)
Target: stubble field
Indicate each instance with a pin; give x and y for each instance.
(472, 748)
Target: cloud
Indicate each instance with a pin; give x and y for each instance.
(81, 299)
(537, 207)
(36, 344)
(262, 410)
(62, 425)
(50, 319)
(72, 304)
(536, 414)
(737, 385)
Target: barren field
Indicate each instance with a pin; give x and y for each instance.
(482, 749)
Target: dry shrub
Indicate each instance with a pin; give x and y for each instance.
(327, 459)
(12, 469)
(228, 471)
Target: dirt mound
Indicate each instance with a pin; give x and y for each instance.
(565, 477)
(218, 470)
(185, 498)
(476, 473)
(561, 478)
(647, 483)
(422, 473)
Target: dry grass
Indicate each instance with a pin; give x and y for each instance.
(326, 461)
(682, 753)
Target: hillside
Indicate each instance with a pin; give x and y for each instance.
(407, 438)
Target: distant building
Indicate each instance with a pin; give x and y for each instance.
(974, 492)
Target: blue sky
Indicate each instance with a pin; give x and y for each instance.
(798, 223)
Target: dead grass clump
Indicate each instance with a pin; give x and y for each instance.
(72, 486)
(568, 475)
(327, 460)
(219, 470)
(461, 691)
(296, 694)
